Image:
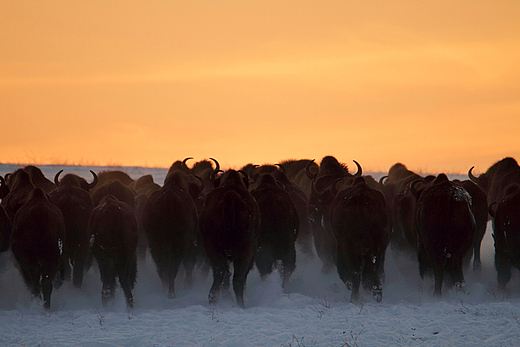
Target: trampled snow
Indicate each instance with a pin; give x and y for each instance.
(315, 309)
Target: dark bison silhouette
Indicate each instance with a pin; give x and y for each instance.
(113, 230)
(506, 232)
(171, 223)
(360, 223)
(445, 227)
(320, 202)
(279, 225)
(229, 224)
(73, 199)
(37, 243)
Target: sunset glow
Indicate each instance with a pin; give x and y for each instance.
(435, 86)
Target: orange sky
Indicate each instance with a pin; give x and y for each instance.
(435, 85)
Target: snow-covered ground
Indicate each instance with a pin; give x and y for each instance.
(314, 311)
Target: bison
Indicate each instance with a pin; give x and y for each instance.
(37, 243)
(20, 187)
(506, 233)
(113, 230)
(401, 206)
(170, 221)
(445, 227)
(229, 225)
(480, 211)
(73, 199)
(493, 182)
(279, 225)
(359, 220)
(320, 203)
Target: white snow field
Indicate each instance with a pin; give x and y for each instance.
(315, 310)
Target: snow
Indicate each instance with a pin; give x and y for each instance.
(314, 311)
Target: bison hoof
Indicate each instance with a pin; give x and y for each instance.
(349, 285)
(212, 299)
(106, 296)
(377, 292)
(461, 287)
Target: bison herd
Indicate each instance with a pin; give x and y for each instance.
(229, 221)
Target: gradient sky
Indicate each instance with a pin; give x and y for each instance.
(432, 84)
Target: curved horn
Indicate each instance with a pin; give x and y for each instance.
(57, 178)
(184, 162)
(217, 165)
(359, 169)
(382, 180)
(471, 176)
(282, 169)
(492, 211)
(308, 170)
(94, 182)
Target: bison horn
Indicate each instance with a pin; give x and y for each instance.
(282, 169)
(94, 182)
(184, 162)
(359, 169)
(311, 175)
(217, 165)
(57, 178)
(471, 176)
(382, 180)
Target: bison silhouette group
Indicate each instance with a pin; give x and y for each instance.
(203, 216)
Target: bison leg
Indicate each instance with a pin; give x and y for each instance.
(79, 266)
(31, 276)
(357, 265)
(477, 262)
(161, 260)
(189, 264)
(356, 282)
(424, 262)
(454, 269)
(324, 244)
(344, 271)
(288, 265)
(47, 290)
(220, 273)
(127, 273)
(371, 280)
(264, 262)
(503, 267)
(438, 271)
(108, 278)
(241, 268)
(173, 269)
